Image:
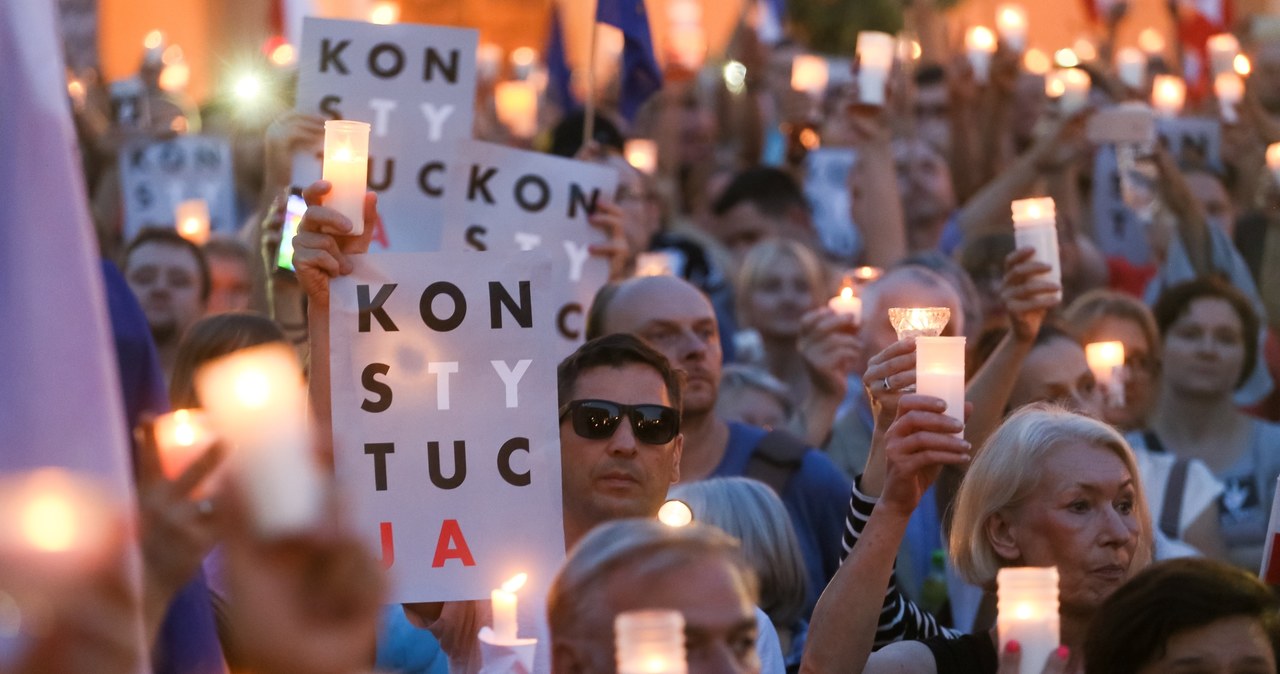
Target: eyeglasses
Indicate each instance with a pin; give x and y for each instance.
(598, 419)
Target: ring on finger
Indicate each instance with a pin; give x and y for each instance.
(887, 386)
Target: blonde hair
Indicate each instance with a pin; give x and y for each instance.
(764, 257)
(749, 511)
(1007, 470)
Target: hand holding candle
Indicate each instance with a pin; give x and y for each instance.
(875, 60)
(181, 436)
(1035, 226)
(346, 167)
(1027, 612)
(1106, 360)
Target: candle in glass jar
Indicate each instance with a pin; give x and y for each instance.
(1229, 90)
(346, 167)
(192, 217)
(1106, 360)
(940, 371)
(650, 642)
(1011, 24)
(809, 74)
(642, 153)
(1222, 48)
(1027, 612)
(1131, 67)
(1168, 94)
(504, 604)
(1035, 226)
(847, 304)
(517, 104)
(875, 60)
(980, 44)
(182, 436)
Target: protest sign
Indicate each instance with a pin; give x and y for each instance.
(155, 176)
(415, 85)
(446, 441)
(504, 199)
(826, 187)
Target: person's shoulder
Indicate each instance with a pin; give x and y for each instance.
(902, 657)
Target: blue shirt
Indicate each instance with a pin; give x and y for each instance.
(407, 649)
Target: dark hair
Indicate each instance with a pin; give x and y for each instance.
(214, 337)
(616, 351)
(930, 74)
(566, 137)
(169, 237)
(1177, 299)
(1133, 626)
(771, 190)
(599, 308)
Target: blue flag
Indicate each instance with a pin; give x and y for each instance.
(558, 73)
(640, 76)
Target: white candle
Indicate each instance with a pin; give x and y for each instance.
(346, 167)
(847, 304)
(675, 513)
(940, 371)
(504, 603)
(1027, 612)
(642, 153)
(1229, 89)
(1151, 42)
(488, 60)
(1036, 62)
(1035, 226)
(1168, 94)
(517, 104)
(182, 436)
(1273, 160)
(1106, 360)
(980, 44)
(1222, 48)
(875, 59)
(522, 60)
(55, 526)
(809, 74)
(192, 218)
(1131, 67)
(1011, 24)
(384, 12)
(256, 400)
(1241, 65)
(1070, 86)
(650, 642)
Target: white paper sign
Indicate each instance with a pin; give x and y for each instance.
(446, 438)
(504, 199)
(156, 176)
(826, 187)
(415, 85)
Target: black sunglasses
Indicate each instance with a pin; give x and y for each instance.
(598, 419)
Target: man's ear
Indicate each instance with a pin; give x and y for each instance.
(677, 451)
(1000, 532)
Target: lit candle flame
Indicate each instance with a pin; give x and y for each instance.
(1242, 65)
(1151, 41)
(675, 513)
(49, 523)
(515, 583)
(1024, 611)
(846, 292)
(981, 38)
(153, 39)
(384, 13)
(343, 154)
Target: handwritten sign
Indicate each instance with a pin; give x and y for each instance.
(155, 176)
(446, 440)
(415, 85)
(504, 199)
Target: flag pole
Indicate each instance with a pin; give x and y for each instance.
(589, 113)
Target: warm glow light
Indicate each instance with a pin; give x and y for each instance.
(253, 389)
(1066, 58)
(75, 89)
(919, 321)
(1084, 49)
(735, 77)
(175, 76)
(1168, 94)
(642, 153)
(1222, 49)
(1036, 62)
(1273, 156)
(523, 56)
(1011, 23)
(809, 74)
(675, 513)
(284, 55)
(809, 139)
(1151, 41)
(1055, 85)
(183, 432)
(385, 12)
(342, 154)
(153, 39)
(867, 274)
(516, 102)
(1241, 65)
(247, 87)
(846, 292)
(50, 524)
(1024, 612)
(980, 38)
(515, 582)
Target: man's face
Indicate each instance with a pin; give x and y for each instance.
(639, 204)
(742, 227)
(677, 320)
(166, 280)
(229, 284)
(618, 476)
(924, 182)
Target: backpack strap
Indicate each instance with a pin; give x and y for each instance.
(776, 458)
(1171, 509)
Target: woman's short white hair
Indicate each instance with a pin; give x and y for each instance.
(751, 512)
(1007, 470)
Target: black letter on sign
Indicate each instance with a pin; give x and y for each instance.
(374, 386)
(540, 203)
(374, 308)
(459, 464)
(504, 462)
(329, 106)
(330, 54)
(475, 237)
(379, 450)
(523, 312)
(375, 54)
(432, 60)
(389, 175)
(578, 198)
(425, 306)
(425, 173)
(477, 184)
(565, 311)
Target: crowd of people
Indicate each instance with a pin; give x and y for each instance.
(842, 521)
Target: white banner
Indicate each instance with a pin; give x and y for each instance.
(446, 437)
(155, 176)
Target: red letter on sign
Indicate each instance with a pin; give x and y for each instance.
(452, 545)
(388, 546)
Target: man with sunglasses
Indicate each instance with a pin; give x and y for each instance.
(677, 319)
